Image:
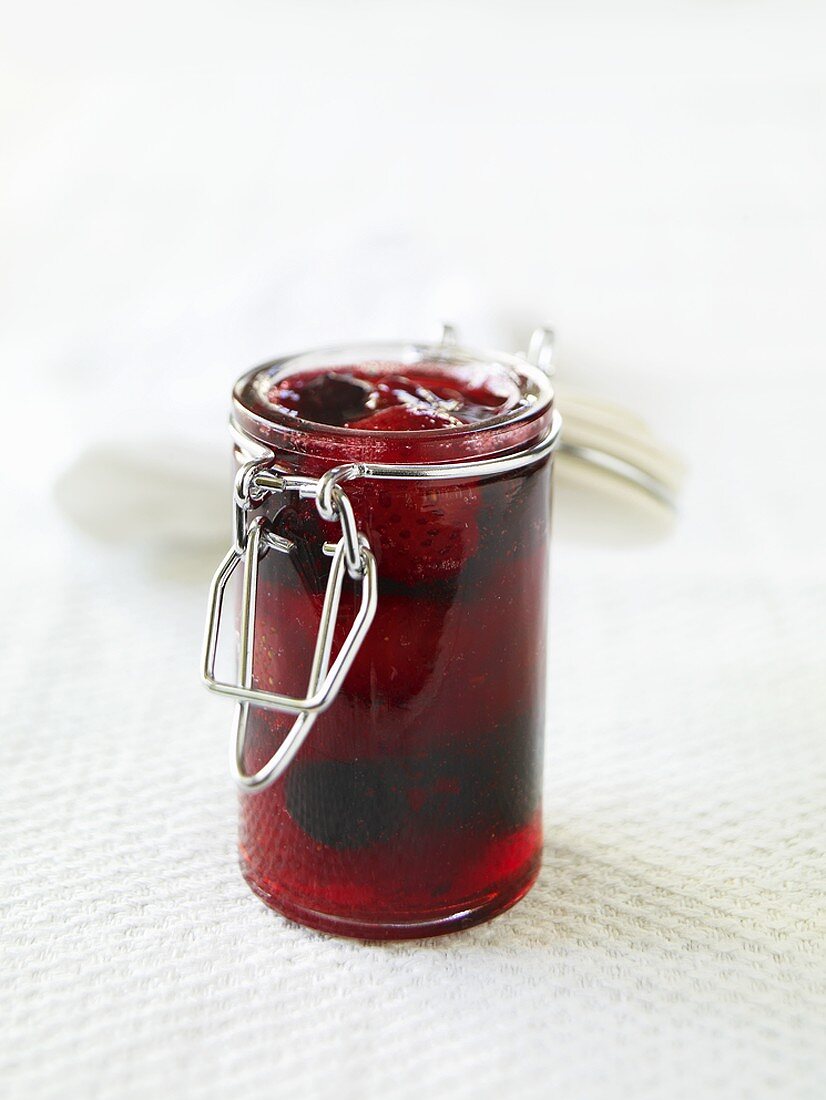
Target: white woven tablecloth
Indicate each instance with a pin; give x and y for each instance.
(673, 225)
(670, 947)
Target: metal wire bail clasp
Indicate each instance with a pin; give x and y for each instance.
(253, 539)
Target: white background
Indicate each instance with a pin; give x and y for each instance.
(189, 189)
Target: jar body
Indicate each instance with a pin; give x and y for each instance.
(414, 806)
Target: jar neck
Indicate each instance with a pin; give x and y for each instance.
(327, 449)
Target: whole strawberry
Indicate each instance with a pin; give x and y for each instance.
(421, 533)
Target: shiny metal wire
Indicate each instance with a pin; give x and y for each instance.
(424, 471)
(324, 680)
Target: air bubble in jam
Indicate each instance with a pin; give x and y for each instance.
(414, 806)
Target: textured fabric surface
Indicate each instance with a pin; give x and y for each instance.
(672, 947)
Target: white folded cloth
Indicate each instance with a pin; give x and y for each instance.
(164, 498)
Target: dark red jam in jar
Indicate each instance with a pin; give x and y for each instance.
(413, 807)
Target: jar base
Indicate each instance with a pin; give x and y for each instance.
(480, 910)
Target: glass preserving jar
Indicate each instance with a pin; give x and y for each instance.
(392, 634)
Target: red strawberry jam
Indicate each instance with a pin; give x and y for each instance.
(386, 397)
(413, 807)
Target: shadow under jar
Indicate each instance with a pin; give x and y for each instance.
(413, 807)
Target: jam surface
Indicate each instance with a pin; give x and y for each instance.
(414, 806)
(389, 397)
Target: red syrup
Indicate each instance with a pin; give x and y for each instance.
(414, 806)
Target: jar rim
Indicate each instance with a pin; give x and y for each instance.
(534, 386)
